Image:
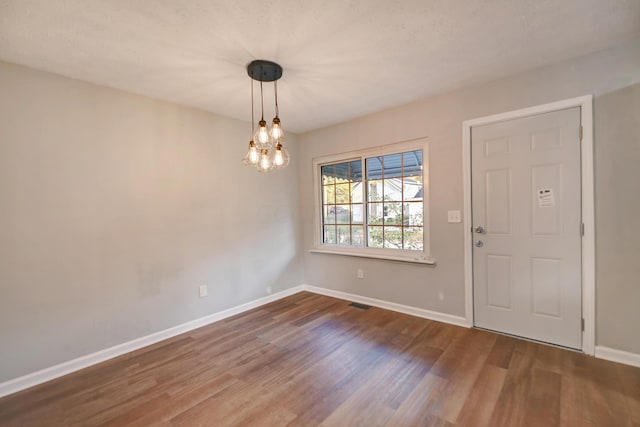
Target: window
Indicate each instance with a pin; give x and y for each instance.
(373, 203)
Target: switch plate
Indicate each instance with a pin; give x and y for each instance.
(454, 216)
(203, 291)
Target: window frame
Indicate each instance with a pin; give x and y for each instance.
(405, 255)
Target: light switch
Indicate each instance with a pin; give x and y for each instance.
(454, 216)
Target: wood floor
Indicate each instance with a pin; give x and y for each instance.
(312, 360)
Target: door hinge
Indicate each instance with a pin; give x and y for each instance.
(582, 228)
(582, 324)
(580, 133)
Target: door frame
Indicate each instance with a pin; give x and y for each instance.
(588, 218)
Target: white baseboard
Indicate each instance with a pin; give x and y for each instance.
(619, 356)
(413, 311)
(47, 374)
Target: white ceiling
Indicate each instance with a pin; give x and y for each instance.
(341, 58)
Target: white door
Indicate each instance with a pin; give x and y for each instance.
(525, 178)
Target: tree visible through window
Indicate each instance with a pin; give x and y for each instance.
(380, 208)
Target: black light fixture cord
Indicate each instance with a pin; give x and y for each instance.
(275, 86)
(261, 101)
(252, 118)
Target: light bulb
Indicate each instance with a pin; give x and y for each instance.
(281, 157)
(262, 136)
(276, 129)
(277, 158)
(264, 164)
(252, 155)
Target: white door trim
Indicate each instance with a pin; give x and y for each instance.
(588, 240)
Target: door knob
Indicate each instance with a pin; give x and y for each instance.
(480, 229)
(479, 243)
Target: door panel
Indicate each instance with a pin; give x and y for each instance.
(498, 201)
(546, 286)
(499, 281)
(495, 147)
(526, 197)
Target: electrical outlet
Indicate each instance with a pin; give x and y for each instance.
(203, 291)
(441, 296)
(269, 290)
(360, 273)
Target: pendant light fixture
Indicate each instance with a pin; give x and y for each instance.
(266, 149)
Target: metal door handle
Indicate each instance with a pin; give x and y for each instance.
(480, 229)
(479, 243)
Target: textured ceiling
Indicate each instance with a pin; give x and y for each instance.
(341, 58)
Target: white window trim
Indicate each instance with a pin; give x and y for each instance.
(423, 257)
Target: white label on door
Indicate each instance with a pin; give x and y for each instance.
(545, 198)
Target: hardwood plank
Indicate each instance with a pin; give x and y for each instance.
(406, 325)
(481, 401)
(189, 396)
(607, 400)
(544, 401)
(630, 390)
(335, 378)
(417, 409)
(511, 407)
(575, 403)
(502, 351)
(375, 402)
(461, 363)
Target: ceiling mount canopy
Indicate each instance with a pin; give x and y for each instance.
(264, 71)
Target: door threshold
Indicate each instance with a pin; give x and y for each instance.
(575, 350)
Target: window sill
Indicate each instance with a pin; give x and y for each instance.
(413, 260)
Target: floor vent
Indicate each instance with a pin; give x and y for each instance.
(360, 306)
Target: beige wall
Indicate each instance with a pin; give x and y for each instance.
(617, 154)
(611, 75)
(114, 208)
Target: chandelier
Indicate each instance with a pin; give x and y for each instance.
(266, 148)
